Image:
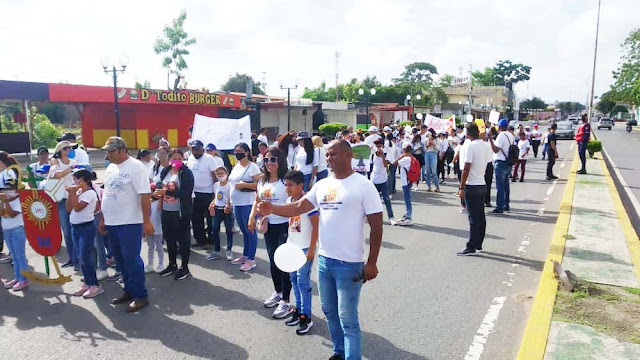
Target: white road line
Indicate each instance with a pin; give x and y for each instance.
(488, 323)
(625, 186)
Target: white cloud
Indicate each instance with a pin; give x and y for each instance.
(294, 41)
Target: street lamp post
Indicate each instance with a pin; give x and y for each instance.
(413, 104)
(288, 104)
(114, 72)
(361, 92)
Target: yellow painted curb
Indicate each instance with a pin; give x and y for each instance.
(629, 232)
(536, 333)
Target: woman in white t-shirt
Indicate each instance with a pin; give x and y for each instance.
(394, 151)
(243, 180)
(155, 241)
(404, 163)
(271, 189)
(81, 204)
(61, 168)
(306, 160)
(321, 152)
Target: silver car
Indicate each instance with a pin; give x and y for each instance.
(565, 130)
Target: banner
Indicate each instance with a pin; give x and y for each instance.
(494, 116)
(438, 124)
(41, 222)
(224, 133)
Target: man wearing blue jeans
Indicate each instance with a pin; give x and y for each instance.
(404, 163)
(344, 200)
(502, 168)
(126, 209)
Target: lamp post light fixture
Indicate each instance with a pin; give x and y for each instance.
(361, 92)
(410, 98)
(105, 62)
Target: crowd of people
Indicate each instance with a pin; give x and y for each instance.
(302, 189)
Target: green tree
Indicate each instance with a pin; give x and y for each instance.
(145, 85)
(371, 82)
(533, 103)
(570, 107)
(417, 73)
(503, 73)
(488, 77)
(54, 111)
(606, 103)
(238, 83)
(321, 93)
(173, 46)
(44, 132)
(445, 80)
(619, 108)
(627, 77)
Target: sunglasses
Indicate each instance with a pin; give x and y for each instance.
(272, 160)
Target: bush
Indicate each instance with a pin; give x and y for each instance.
(405, 123)
(331, 129)
(44, 132)
(593, 147)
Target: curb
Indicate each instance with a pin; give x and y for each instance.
(534, 341)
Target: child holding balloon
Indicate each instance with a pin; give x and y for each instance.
(303, 231)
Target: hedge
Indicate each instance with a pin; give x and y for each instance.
(331, 129)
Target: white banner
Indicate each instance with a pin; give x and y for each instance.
(439, 124)
(224, 133)
(494, 116)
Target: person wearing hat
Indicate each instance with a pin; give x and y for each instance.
(373, 137)
(404, 163)
(306, 160)
(380, 178)
(41, 168)
(204, 168)
(126, 210)
(502, 168)
(79, 154)
(61, 167)
(535, 135)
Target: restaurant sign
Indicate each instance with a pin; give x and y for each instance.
(183, 97)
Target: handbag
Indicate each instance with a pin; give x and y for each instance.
(248, 182)
(262, 225)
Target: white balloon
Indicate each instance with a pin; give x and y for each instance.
(289, 257)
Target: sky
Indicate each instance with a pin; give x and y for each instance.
(294, 42)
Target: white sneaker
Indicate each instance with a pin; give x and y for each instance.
(229, 255)
(463, 210)
(405, 222)
(159, 268)
(148, 269)
(393, 221)
(283, 310)
(273, 300)
(101, 274)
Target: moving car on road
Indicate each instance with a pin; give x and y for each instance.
(565, 130)
(574, 119)
(605, 123)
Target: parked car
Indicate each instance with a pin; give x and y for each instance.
(565, 130)
(575, 119)
(605, 123)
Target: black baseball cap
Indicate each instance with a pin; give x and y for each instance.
(42, 149)
(197, 144)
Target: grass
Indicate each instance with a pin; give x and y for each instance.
(633, 291)
(569, 237)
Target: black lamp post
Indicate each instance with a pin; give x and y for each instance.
(288, 104)
(114, 72)
(410, 98)
(361, 92)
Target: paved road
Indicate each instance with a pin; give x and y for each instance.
(622, 148)
(426, 304)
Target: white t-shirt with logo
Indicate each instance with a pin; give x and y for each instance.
(123, 185)
(221, 194)
(67, 180)
(503, 141)
(405, 165)
(475, 153)
(343, 205)
(523, 146)
(202, 169)
(379, 171)
(89, 197)
(13, 222)
(275, 193)
(246, 174)
(300, 228)
(300, 162)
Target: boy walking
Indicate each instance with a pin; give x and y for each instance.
(523, 153)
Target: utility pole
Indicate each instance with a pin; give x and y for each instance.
(264, 82)
(337, 55)
(288, 104)
(593, 75)
(470, 86)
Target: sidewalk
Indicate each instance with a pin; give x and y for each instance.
(595, 241)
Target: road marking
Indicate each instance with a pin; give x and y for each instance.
(488, 323)
(625, 186)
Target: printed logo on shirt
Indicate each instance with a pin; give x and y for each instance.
(220, 196)
(330, 200)
(171, 186)
(267, 194)
(294, 224)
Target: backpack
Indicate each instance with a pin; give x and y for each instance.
(514, 153)
(413, 174)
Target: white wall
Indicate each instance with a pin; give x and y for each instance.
(299, 122)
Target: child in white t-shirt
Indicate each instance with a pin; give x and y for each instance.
(14, 237)
(523, 153)
(221, 209)
(303, 231)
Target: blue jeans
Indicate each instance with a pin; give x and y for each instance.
(322, 174)
(249, 238)
(101, 256)
(582, 151)
(406, 190)
(85, 237)
(307, 180)
(383, 190)
(65, 224)
(301, 283)
(126, 241)
(15, 239)
(339, 296)
(431, 163)
(393, 170)
(503, 172)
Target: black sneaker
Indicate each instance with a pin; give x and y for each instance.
(583, 172)
(496, 211)
(182, 274)
(488, 205)
(169, 270)
(507, 209)
(294, 320)
(67, 264)
(304, 326)
(336, 357)
(467, 252)
(554, 177)
(521, 179)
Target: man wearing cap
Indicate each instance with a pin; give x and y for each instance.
(535, 140)
(81, 155)
(41, 168)
(204, 168)
(373, 136)
(502, 168)
(126, 209)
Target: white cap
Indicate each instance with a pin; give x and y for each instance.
(373, 128)
(386, 128)
(406, 145)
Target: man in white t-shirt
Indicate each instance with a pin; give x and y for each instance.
(379, 176)
(502, 168)
(373, 136)
(473, 187)
(263, 136)
(125, 215)
(404, 164)
(344, 200)
(523, 153)
(204, 168)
